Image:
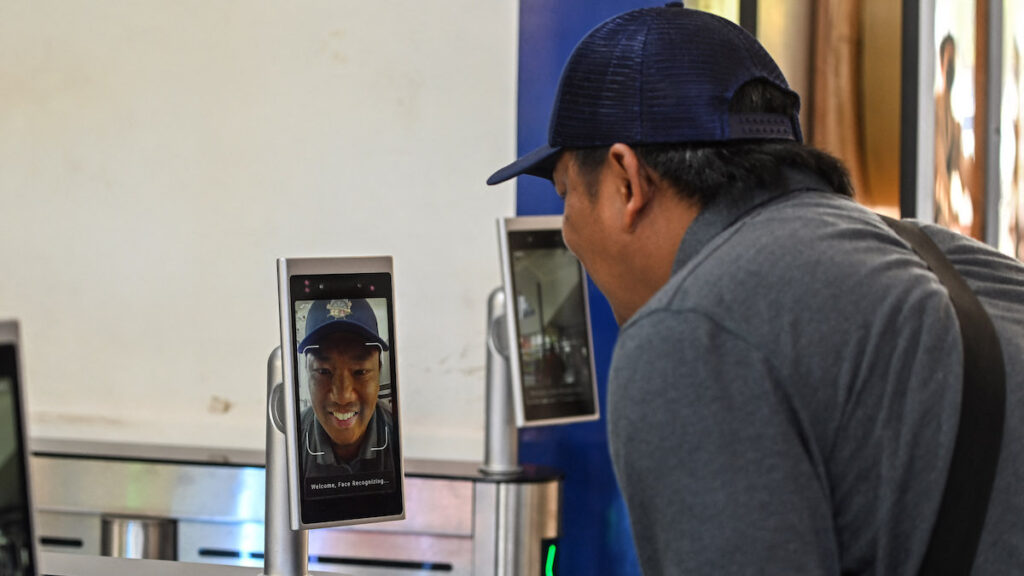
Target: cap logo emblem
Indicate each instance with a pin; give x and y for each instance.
(339, 308)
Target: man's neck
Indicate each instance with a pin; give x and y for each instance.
(346, 453)
(655, 251)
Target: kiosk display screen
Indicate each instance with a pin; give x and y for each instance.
(17, 556)
(959, 180)
(342, 392)
(545, 290)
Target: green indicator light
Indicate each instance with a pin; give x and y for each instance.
(549, 569)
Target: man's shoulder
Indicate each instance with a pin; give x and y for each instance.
(789, 248)
(307, 417)
(789, 274)
(763, 252)
(384, 409)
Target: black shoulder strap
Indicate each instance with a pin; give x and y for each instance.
(957, 531)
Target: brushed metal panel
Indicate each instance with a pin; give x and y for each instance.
(455, 551)
(241, 545)
(213, 542)
(149, 489)
(432, 506)
(522, 515)
(219, 493)
(152, 538)
(485, 519)
(543, 514)
(59, 531)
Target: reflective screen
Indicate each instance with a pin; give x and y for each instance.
(1011, 146)
(15, 535)
(959, 179)
(554, 352)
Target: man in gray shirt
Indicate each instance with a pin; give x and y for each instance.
(785, 391)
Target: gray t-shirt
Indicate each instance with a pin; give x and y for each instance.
(788, 402)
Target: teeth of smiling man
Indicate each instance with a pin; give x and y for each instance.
(343, 415)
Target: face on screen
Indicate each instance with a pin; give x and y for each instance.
(345, 398)
(346, 424)
(344, 379)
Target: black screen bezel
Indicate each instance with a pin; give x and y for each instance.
(9, 369)
(547, 239)
(346, 508)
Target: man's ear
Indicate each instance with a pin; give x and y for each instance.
(635, 186)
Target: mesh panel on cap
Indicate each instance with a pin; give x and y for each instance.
(657, 75)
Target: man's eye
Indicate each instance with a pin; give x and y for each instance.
(361, 372)
(322, 372)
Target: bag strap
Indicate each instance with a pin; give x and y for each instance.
(957, 531)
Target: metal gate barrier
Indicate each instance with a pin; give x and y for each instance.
(199, 505)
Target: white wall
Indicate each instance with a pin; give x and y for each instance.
(156, 156)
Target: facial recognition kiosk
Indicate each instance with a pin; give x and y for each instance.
(540, 369)
(549, 336)
(336, 404)
(540, 366)
(341, 394)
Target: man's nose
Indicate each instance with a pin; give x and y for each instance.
(343, 389)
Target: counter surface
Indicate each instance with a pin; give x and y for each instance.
(449, 469)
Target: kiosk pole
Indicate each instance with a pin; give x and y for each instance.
(501, 449)
(285, 551)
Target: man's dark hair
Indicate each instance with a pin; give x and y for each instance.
(706, 173)
(948, 45)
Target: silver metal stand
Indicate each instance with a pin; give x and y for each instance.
(501, 448)
(285, 551)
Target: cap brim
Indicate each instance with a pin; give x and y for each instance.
(341, 326)
(541, 163)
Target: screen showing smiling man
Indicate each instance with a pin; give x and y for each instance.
(346, 429)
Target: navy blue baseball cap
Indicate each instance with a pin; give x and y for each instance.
(661, 75)
(342, 315)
